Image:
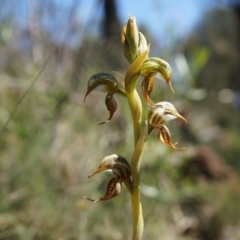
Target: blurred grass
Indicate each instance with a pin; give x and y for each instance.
(52, 143)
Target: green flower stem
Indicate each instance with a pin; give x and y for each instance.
(138, 223)
(135, 105)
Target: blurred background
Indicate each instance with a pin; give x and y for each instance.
(50, 140)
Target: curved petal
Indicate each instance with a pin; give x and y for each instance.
(103, 82)
(147, 87)
(114, 187)
(115, 164)
(154, 66)
(164, 135)
(111, 106)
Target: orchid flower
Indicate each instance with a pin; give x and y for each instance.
(118, 166)
(105, 82)
(158, 115)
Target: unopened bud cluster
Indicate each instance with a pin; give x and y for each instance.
(134, 42)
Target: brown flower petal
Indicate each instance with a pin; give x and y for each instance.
(111, 106)
(116, 165)
(147, 87)
(164, 135)
(114, 187)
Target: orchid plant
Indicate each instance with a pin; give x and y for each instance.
(136, 51)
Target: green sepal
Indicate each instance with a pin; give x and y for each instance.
(103, 82)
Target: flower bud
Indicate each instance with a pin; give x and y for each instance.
(142, 45)
(134, 43)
